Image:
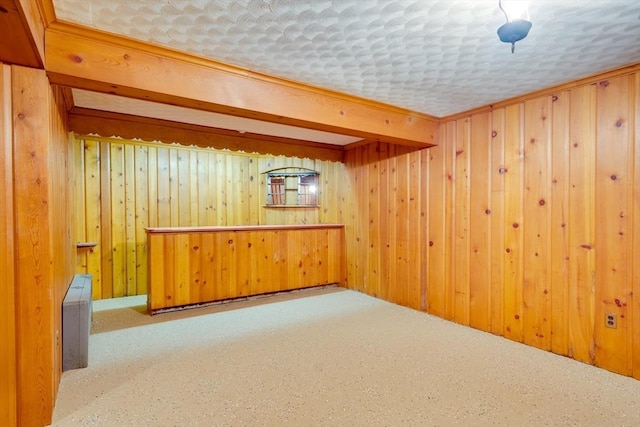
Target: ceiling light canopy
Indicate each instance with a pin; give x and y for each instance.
(518, 25)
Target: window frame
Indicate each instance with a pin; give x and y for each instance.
(280, 191)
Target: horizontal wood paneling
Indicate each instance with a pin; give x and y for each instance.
(130, 185)
(528, 222)
(190, 266)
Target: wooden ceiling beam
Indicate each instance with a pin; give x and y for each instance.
(23, 28)
(82, 58)
(106, 124)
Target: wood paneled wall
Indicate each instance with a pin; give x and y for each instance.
(37, 245)
(384, 214)
(127, 186)
(524, 221)
(197, 265)
(8, 384)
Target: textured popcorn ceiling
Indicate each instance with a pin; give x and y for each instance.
(433, 56)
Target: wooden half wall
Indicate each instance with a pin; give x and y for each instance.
(125, 186)
(524, 222)
(196, 265)
(37, 259)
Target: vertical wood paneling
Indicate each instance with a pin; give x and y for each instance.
(245, 193)
(240, 262)
(403, 229)
(559, 239)
(141, 220)
(383, 218)
(130, 186)
(613, 222)
(216, 189)
(536, 253)
(393, 232)
(460, 249)
(79, 192)
(514, 247)
(169, 263)
(255, 190)
(480, 223)
(156, 257)
(449, 217)
(281, 260)
(104, 208)
(498, 248)
(243, 253)
(177, 216)
(221, 189)
(415, 232)
(531, 233)
(358, 256)
(200, 200)
(43, 239)
(62, 218)
(230, 174)
(436, 231)
(374, 247)
(423, 238)
(581, 224)
(181, 283)
(8, 384)
(34, 298)
(635, 342)
(118, 221)
(207, 276)
(194, 189)
(92, 214)
(257, 265)
(363, 244)
(163, 188)
(130, 224)
(152, 181)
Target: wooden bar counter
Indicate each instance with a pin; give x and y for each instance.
(196, 265)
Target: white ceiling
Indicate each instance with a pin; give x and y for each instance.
(432, 56)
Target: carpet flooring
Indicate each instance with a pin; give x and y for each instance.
(325, 357)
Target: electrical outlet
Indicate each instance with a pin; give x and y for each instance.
(611, 320)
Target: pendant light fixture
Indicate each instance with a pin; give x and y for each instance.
(518, 25)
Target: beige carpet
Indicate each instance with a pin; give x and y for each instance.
(325, 357)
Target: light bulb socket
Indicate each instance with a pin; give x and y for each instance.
(511, 32)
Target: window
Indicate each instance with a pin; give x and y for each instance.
(292, 187)
(276, 194)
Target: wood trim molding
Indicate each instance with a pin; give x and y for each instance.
(47, 12)
(85, 121)
(209, 229)
(82, 58)
(67, 94)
